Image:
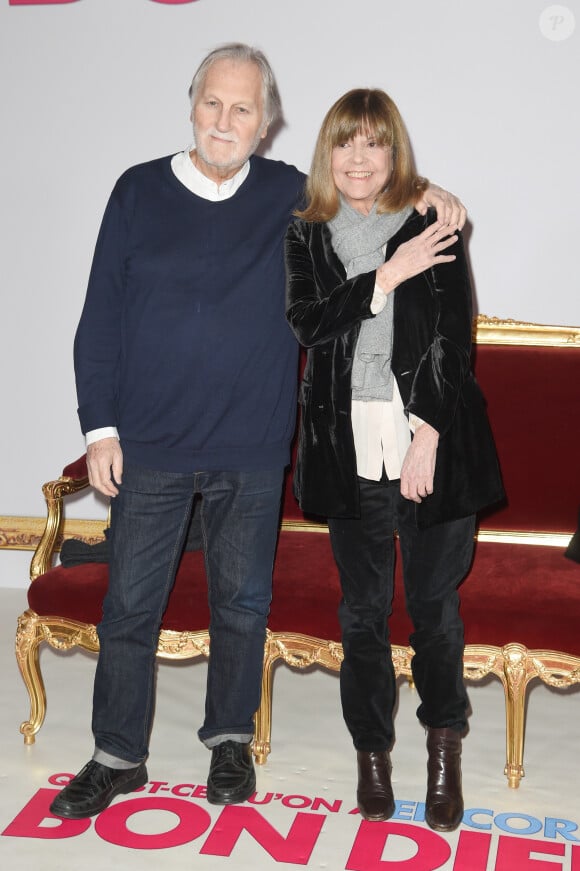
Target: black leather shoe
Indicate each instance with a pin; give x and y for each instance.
(444, 801)
(231, 777)
(374, 793)
(94, 788)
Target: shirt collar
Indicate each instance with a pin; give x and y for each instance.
(198, 183)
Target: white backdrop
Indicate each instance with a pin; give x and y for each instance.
(488, 89)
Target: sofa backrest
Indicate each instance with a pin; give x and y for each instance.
(530, 377)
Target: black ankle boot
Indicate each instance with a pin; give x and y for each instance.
(374, 793)
(444, 802)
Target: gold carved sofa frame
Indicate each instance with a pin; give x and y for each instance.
(519, 559)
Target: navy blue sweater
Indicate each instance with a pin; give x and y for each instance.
(183, 343)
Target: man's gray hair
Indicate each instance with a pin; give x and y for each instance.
(242, 53)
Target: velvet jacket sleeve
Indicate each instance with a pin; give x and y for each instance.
(321, 303)
(97, 346)
(442, 333)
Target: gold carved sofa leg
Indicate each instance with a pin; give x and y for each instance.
(263, 716)
(28, 638)
(516, 679)
(62, 634)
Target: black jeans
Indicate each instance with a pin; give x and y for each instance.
(435, 561)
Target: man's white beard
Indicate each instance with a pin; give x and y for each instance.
(236, 160)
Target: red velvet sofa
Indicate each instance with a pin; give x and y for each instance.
(520, 601)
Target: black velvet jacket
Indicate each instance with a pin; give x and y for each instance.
(431, 362)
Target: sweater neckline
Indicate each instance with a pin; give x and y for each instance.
(190, 195)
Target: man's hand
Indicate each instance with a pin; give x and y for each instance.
(415, 256)
(105, 463)
(450, 210)
(419, 464)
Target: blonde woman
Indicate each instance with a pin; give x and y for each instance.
(393, 432)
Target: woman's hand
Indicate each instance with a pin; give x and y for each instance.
(419, 464)
(415, 256)
(450, 210)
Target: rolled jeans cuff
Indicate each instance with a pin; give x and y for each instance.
(219, 739)
(113, 761)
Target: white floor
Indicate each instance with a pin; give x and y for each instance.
(302, 815)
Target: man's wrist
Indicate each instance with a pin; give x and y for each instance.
(104, 432)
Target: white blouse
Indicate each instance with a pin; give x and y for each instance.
(381, 430)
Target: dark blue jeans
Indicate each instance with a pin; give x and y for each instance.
(149, 520)
(434, 563)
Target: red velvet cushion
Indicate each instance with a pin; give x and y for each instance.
(306, 591)
(513, 593)
(77, 593)
(519, 592)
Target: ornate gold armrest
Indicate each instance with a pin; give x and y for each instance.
(54, 493)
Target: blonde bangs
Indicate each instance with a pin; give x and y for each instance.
(359, 118)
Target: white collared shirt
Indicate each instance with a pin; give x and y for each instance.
(194, 180)
(381, 431)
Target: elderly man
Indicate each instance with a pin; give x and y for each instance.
(186, 379)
